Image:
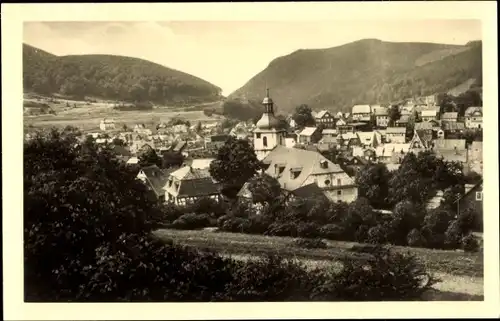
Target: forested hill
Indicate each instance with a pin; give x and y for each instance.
(368, 71)
(112, 77)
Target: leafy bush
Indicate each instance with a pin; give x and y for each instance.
(270, 279)
(191, 221)
(378, 234)
(282, 229)
(453, 235)
(307, 230)
(310, 243)
(386, 274)
(331, 232)
(208, 206)
(470, 243)
(415, 238)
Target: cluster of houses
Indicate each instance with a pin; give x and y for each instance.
(294, 157)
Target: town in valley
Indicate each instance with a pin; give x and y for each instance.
(146, 184)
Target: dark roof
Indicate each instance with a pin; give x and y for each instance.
(309, 191)
(198, 187)
(155, 178)
(121, 151)
(219, 138)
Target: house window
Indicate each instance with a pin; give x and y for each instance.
(264, 141)
(339, 193)
(479, 196)
(327, 182)
(258, 135)
(170, 183)
(339, 181)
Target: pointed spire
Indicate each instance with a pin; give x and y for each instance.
(267, 92)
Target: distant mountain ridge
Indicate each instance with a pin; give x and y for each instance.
(368, 71)
(112, 77)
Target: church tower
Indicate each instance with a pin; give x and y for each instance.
(269, 131)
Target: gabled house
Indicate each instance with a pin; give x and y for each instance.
(422, 140)
(188, 184)
(214, 142)
(395, 135)
(472, 199)
(449, 117)
(309, 135)
(295, 168)
(403, 121)
(361, 113)
(107, 124)
(367, 139)
(325, 118)
(391, 153)
(381, 116)
(154, 178)
(451, 127)
(428, 115)
(474, 117)
(331, 133)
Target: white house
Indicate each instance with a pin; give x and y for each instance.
(188, 184)
(395, 135)
(474, 117)
(428, 115)
(107, 124)
(295, 168)
(361, 113)
(381, 116)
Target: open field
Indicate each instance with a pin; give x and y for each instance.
(461, 273)
(87, 116)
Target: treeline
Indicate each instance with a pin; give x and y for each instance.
(112, 77)
(87, 238)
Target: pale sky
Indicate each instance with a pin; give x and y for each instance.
(226, 53)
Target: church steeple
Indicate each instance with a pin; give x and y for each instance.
(268, 103)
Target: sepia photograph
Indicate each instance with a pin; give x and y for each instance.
(240, 160)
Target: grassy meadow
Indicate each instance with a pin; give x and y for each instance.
(461, 273)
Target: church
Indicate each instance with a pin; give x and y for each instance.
(297, 168)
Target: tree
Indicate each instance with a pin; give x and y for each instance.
(264, 188)
(235, 164)
(118, 142)
(373, 184)
(446, 103)
(409, 182)
(394, 114)
(198, 127)
(406, 216)
(303, 116)
(79, 200)
(149, 157)
(171, 159)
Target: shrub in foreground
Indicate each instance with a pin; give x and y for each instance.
(191, 221)
(388, 275)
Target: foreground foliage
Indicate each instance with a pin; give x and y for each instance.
(87, 237)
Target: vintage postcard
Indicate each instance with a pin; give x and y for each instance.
(290, 160)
